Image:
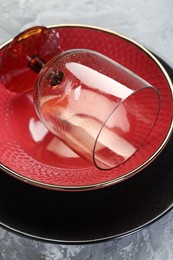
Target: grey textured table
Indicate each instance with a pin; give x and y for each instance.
(148, 22)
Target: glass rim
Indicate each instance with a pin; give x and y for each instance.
(119, 105)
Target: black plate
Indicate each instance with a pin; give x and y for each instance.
(89, 216)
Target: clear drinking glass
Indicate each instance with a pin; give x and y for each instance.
(98, 108)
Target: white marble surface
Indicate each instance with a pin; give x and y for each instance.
(150, 23)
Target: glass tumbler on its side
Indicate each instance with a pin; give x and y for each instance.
(98, 108)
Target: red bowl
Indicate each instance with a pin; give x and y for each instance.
(29, 152)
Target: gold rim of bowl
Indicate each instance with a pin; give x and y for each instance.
(127, 175)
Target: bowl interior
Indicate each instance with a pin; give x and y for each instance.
(31, 153)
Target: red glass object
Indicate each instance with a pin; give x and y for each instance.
(31, 153)
(23, 53)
